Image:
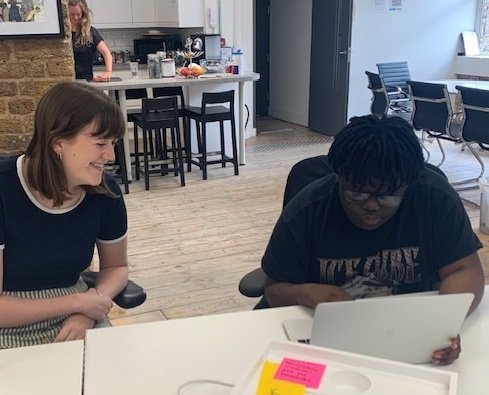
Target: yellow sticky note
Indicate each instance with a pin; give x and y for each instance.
(268, 386)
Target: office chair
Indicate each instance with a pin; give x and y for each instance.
(302, 174)
(432, 113)
(380, 104)
(394, 76)
(475, 109)
(131, 296)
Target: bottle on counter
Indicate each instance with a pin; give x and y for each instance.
(154, 68)
(238, 63)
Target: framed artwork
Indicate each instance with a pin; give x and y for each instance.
(28, 19)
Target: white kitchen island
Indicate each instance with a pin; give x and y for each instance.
(193, 86)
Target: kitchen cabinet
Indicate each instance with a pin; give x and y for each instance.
(147, 13)
(143, 11)
(180, 13)
(112, 13)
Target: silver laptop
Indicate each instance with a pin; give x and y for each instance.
(406, 329)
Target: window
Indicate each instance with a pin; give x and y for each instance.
(482, 26)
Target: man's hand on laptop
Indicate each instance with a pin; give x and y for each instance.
(447, 355)
(308, 294)
(319, 293)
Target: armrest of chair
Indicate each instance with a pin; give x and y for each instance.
(131, 296)
(253, 283)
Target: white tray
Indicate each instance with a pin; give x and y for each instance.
(353, 374)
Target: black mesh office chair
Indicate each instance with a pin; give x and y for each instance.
(302, 174)
(394, 76)
(432, 113)
(475, 108)
(380, 104)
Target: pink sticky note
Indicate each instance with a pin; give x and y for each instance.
(300, 372)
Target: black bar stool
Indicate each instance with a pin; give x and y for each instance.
(118, 168)
(178, 92)
(209, 112)
(158, 116)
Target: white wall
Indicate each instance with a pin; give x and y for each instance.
(425, 33)
(237, 28)
(290, 56)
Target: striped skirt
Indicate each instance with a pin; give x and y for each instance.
(44, 331)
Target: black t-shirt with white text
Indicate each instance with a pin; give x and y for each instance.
(315, 242)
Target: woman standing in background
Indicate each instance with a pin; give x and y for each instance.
(86, 40)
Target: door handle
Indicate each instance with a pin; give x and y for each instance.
(344, 52)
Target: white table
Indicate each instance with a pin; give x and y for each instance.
(206, 79)
(451, 84)
(51, 369)
(156, 358)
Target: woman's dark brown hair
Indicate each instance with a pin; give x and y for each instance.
(61, 113)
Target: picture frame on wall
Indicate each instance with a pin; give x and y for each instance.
(28, 19)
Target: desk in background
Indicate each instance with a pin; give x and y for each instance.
(207, 79)
(50, 369)
(451, 84)
(156, 358)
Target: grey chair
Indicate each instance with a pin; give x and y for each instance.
(394, 76)
(433, 114)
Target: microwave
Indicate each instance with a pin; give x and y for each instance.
(144, 46)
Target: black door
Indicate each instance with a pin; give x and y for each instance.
(262, 55)
(330, 65)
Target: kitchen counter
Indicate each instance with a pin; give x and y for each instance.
(142, 81)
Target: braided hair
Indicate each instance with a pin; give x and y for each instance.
(383, 152)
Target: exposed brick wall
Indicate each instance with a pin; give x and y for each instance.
(28, 68)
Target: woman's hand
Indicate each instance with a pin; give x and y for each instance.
(74, 328)
(94, 305)
(106, 75)
(447, 355)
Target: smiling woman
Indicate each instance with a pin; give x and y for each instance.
(56, 204)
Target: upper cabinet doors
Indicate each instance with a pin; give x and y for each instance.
(112, 12)
(147, 13)
(180, 13)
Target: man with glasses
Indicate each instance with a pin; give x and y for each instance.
(380, 224)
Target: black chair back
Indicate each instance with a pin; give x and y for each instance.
(394, 75)
(475, 105)
(170, 91)
(133, 94)
(226, 97)
(161, 106)
(380, 103)
(432, 110)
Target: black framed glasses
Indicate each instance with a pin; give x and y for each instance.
(362, 197)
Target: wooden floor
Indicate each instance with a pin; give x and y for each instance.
(189, 246)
